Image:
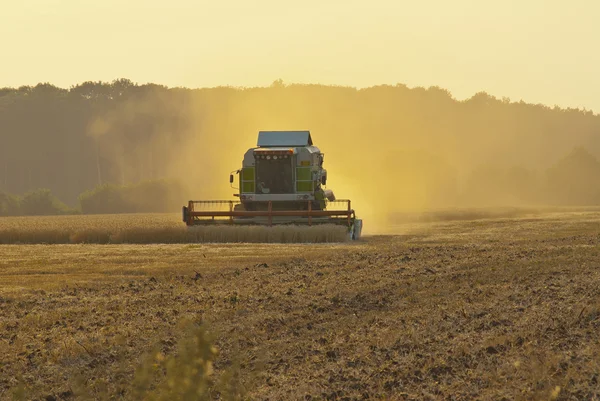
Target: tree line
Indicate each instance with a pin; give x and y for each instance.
(411, 147)
(144, 197)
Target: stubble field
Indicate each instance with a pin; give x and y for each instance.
(493, 309)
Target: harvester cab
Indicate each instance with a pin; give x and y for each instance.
(281, 181)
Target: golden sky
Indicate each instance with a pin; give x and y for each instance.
(538, 51)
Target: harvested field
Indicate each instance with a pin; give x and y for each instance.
(494, 309)
(151, 229)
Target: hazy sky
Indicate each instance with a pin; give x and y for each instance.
(538, 51)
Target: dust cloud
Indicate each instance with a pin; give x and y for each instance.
(391, 150)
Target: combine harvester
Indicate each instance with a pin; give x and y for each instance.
(280, 183)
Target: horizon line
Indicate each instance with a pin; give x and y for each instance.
(281, 83)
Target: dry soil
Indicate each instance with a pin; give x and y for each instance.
(494, 309)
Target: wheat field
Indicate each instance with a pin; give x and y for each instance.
(494, 309)
(151, 229)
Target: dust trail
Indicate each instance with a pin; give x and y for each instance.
(390, 149)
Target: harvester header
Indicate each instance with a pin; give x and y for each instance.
(282, 181)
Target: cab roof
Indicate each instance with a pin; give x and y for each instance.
(284, 138)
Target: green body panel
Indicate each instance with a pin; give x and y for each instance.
(247, 180)
(304, 186)
(319, 196)
(303, 173)
(248, 174)
(304, 181)
(247, 187)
